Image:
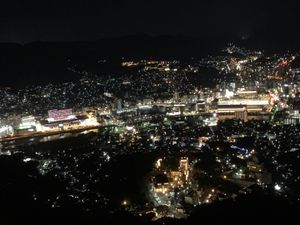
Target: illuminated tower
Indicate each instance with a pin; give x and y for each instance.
(184, 167)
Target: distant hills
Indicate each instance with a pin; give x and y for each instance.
(43, 62)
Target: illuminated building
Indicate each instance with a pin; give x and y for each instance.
(105, 111)
(60, 115)
(6, 131)
(248, 102)
(176, 178)
(242, 109)
(292, 119)
(68, 123)
(233, 112)
(167, 181)
(247, 94)
(27, 122)
(161, 183)
(147, 101)
(200, 106)
(161, 188)
(201, 141)
(184, 167)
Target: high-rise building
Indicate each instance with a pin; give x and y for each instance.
(184, 167)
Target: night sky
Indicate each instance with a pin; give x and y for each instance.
(26, 21)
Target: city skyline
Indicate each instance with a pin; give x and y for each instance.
(149, 112)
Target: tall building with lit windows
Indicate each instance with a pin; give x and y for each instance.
(184, 167)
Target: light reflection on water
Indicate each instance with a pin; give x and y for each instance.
(29, 141)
